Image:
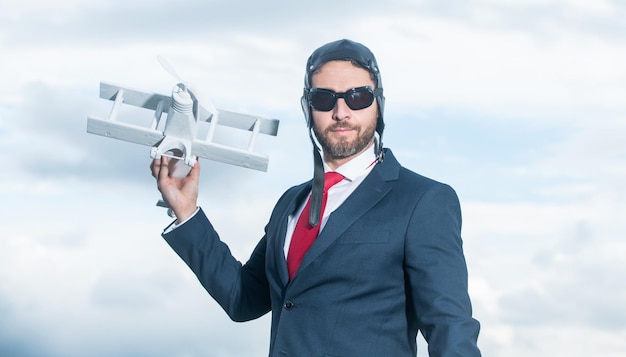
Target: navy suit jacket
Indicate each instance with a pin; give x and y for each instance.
(388, 263)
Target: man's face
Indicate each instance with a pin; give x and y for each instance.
(343, 132)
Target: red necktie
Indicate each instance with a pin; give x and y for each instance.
(304, 234)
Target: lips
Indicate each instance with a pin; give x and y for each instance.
(341, 129)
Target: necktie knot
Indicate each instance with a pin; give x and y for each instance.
(332, 178)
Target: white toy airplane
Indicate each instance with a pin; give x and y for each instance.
(177, 135)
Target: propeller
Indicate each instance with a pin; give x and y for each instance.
(199, 100)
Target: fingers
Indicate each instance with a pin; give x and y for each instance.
(154, 168)
(163, 169)
(156, 165)
(160, 169)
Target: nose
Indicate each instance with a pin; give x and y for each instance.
(341, 110)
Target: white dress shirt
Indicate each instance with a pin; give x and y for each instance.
(354, 172)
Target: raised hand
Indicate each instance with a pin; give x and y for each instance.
(180, 194)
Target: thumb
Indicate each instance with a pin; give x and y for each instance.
(194, 174)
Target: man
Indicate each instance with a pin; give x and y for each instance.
(388, 261)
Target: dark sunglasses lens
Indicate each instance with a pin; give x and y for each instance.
(359, 98)
(322, 100)
(325, 100)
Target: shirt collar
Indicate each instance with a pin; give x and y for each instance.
(357, 166)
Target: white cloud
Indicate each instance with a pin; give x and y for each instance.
(518, 104)
(491, 70)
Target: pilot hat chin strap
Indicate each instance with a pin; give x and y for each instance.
(317, 188)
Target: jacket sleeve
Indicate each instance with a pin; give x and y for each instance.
(241, 290)
(437, 275)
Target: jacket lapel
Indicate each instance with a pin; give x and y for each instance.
(375, 186)
(292, 200)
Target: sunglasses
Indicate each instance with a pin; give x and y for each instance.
(356, 98)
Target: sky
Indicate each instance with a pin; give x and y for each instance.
(517, 104)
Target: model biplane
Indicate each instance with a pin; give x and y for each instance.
(174, 130)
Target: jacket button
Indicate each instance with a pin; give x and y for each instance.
(288, 305)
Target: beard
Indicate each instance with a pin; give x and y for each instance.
(344, 147)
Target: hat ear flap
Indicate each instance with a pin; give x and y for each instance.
(306, 109)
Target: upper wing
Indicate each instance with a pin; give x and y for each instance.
(226, 117)
(135, 97)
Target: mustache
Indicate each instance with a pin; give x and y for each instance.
(340, 125)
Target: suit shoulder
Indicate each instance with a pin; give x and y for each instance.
(391, 169)
(426, 183)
